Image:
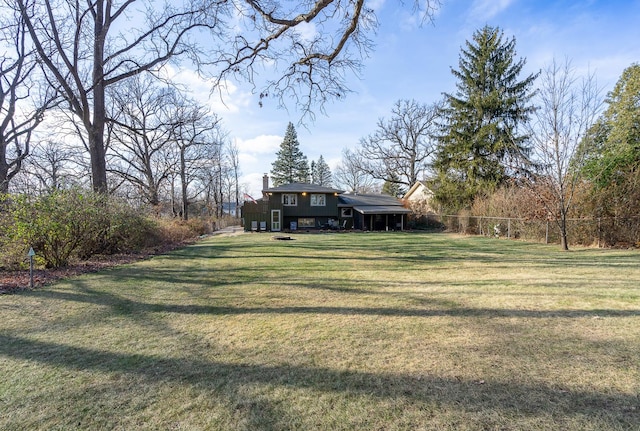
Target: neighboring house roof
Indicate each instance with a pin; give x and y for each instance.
(302, 188)
(418, 191)
(372, 204)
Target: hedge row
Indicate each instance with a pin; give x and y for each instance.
(76, 224)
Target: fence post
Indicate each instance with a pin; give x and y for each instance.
(508, 228)
(31, 254)
(546, 237)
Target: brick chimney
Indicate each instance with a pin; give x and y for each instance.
(265, 185)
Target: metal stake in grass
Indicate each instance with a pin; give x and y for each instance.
(31, 254)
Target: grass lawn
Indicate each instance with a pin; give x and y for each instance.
(376, 331)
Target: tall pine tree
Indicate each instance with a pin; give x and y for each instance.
(482, 130)
(291, 165)
(321, 173)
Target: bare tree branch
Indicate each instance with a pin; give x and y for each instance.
(400, 150)
(21, 111)
(567, 109)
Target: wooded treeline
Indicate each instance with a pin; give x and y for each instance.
(551, 141)
(87, 101)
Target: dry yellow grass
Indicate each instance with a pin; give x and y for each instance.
(339, 331)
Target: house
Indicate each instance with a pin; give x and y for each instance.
(302, 206)
(419, 198)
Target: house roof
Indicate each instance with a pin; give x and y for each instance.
(350, 200)
(381, 209)
(301, 188)
(420, 185)
(372, 204)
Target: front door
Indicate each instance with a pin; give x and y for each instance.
(275, 220)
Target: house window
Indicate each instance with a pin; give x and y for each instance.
(346, 212)
(318, 200)
(290, 199)
(306, 222)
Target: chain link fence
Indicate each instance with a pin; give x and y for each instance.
(600, 232)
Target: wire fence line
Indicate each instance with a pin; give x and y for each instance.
(600, 232)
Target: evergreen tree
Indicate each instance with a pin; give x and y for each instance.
(612, 160)
(291, 165)
(613, 144)
(482, 121)
(393, 186)
(321, 173)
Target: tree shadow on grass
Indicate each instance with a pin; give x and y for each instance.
(422, 250)
(509, 399)
(122, 305)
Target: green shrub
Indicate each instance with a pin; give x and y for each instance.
(71, 223)
(12, 255)
(120, 229)
(75, 223)
(55, 225)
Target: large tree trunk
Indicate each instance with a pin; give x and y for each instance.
(4, 177)
(183, 185)
(96, 138)
(98, 160)
(153, 196)
(564, 243)
(9, 170)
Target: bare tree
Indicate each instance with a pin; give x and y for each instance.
(400, 150)
(52, 163)
(219, 175)
(89, 46)
(85, 55)
(213, 175)
(349, 174)
(567, 108)
(21, 111)
(233, 156)
(195, 132)
(143, 122)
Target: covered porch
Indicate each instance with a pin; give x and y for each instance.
(380, 218)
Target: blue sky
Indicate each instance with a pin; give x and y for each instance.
(414, 62)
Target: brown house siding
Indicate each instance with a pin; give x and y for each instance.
(255, 211)
(321, 214)
(261, 211)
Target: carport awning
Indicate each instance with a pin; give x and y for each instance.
(381, 209)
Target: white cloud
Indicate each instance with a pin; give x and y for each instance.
(415, 16)
(483, 10)
(252, 183)
(306, 30)
(256, 155)
(376, 5)
(410, 21)
(227, 98)
(334, 162)
(263, 144)
(247, 159)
